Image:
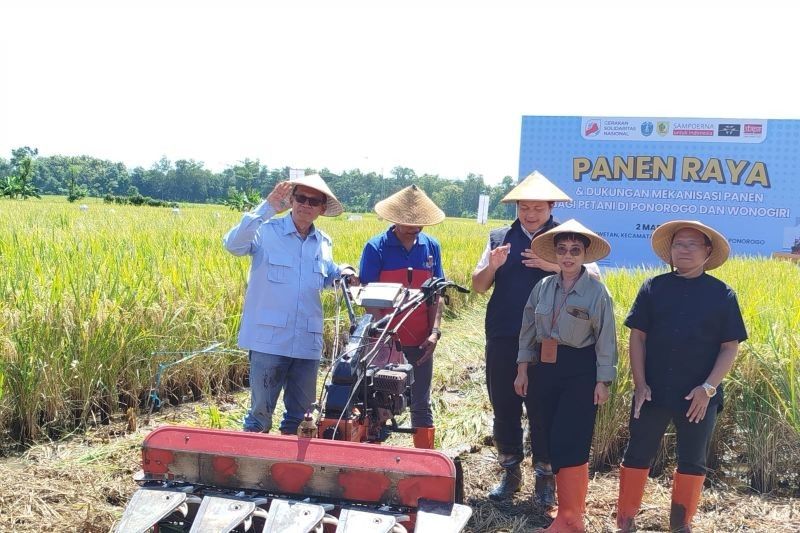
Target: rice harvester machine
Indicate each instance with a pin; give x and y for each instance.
(335, 475)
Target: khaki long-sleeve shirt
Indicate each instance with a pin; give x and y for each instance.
(586, 317)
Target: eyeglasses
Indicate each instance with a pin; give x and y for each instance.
(574, 251)
(691, 246)
(307, 200)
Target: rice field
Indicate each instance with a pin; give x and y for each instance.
(92, 301)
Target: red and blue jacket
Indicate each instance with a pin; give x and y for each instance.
(385, 259)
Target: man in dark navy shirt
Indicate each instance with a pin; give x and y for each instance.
(686, 327)
(509, 264)
(404, 254)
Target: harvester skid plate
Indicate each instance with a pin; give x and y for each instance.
(148, 506)
(221, 514)
(357, 521)
(294, 517)
(437, 517)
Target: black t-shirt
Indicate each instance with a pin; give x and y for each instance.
(686, 321)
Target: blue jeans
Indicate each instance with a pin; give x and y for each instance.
(269, 374)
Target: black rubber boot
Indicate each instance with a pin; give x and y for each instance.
(544, 490)
(512, 477)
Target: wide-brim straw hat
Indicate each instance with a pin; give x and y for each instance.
(410, 207)
(536, 187)
(333, 206)
(544, 245)
(663, 235)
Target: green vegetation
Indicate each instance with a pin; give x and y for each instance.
(136, 199)
(20, 185)
(243, 184)
(87, 296)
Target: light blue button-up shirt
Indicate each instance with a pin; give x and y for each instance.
(282, 312)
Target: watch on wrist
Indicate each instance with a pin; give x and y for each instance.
(437, 332)
(710, 389)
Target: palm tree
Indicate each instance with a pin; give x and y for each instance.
(20, 186)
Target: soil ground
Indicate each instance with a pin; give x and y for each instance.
(82, 484)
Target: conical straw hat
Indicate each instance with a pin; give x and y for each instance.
(661, 241)
(536, 187)
(544, 244)
(410, 207)
(333, 206)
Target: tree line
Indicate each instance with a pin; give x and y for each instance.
(189, 181)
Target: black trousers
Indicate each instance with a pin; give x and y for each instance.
(501, 370)
(692, 438)
(563, 395)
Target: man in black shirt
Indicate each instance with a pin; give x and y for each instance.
(686, 327)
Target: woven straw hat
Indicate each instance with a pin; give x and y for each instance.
(662, 241)
(333, 206)
(544, 246)
(536, 187)
(410, 207)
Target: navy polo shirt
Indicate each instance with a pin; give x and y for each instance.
(686, 321)
(385, 259)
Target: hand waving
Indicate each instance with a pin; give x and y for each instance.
(279, 198)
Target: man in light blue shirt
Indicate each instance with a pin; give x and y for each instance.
(281, 326)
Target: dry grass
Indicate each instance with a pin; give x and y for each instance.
(82, 484)
(722, 507)
(87, 297)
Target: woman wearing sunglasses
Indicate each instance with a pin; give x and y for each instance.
(568, 334)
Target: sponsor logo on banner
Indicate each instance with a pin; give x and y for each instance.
(617, 127)
(673, 129)
(693, 129)
(592, 128)
(753, 130)
(729, 130)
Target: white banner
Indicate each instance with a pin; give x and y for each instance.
(483, 208)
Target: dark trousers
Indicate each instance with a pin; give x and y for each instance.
(421, 412)
(501, 370)
(563, 395)
(693, 438)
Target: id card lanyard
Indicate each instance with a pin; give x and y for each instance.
(549, 348)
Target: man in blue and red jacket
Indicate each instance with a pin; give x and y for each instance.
(404, 254)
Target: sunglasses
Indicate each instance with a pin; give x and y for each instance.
(574, 251)
(307, 200)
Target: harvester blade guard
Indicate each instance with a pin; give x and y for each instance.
(148, 506)
(293, 517)
(438, 517)
(293, 466)
(357, 521)
(220, 514)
